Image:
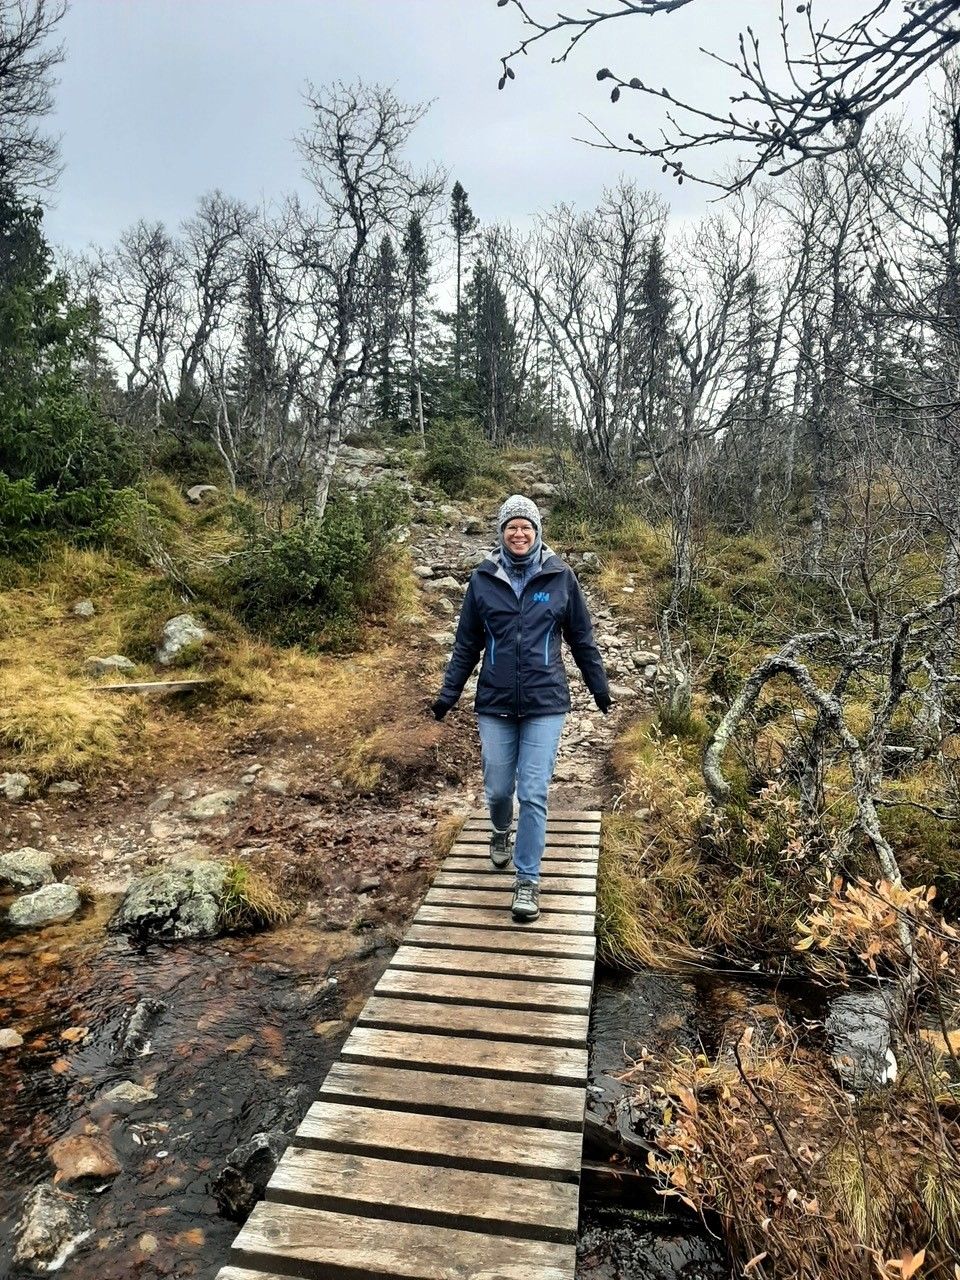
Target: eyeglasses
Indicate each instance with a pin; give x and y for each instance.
(519, 526)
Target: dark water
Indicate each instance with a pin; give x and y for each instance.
(245, 1023)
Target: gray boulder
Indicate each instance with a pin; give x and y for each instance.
(45, 906)
(84, 609)
(114, 665)
(14, 786)
(177, 902)
(858, 1027)
(26, 868)
(201, 492)
(541, 489)
(133, 1037)
(66, 787)
(52, 1226)
(178, 634)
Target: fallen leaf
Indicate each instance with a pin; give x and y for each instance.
(60, 1066)
(75, 1034)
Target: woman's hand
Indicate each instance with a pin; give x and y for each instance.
(439, 708)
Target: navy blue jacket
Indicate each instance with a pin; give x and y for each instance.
(522, 672)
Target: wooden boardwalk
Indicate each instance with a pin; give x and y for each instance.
(445, 1143)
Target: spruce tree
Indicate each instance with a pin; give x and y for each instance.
(61, 465)
(417, 271)
(464, 223)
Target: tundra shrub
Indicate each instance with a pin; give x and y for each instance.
(313, 582)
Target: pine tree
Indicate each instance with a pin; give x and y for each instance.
(464, 223)
(417, 271)
(494, 342)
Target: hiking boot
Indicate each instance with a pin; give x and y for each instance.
(501, 846)
(526, 902)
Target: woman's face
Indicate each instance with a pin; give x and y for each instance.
(519, 536)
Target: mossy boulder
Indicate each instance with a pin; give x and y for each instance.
(176, 903)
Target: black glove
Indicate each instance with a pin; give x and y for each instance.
(604, 702)
(440, 708)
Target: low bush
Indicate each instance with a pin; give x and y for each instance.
(313, 582)
(460, 461)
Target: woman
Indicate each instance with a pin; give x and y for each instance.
(520, 602)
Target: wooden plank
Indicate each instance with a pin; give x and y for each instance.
(315, 1242)
(510, 941)
(459, 1055)
(548, 867)
(560, 997)
(438, 1096)
(587, 857)
(483, 917)
(523, 1150)
(495, 964)
(565, 815)
(520, 1025)
(481, 880)
(582, 904)
(345, 1182)
(557, 839)
(150, 686)
(553, 824)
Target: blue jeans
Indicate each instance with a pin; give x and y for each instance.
(518, 756)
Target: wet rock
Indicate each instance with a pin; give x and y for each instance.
(114, 665)
(84, 1158)
(83, 609)
(128, 1092)
(52, 1226)
(133, 1040)
(14, 786)
(248, 1169)
(10, 1039)
(215, 804)
(179, 633)
(858, 1027)
(177, 902)
(288, 1110)
(201, 492)
(26, 868)
(45, 906)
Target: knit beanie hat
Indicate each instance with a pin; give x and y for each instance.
(517, 507)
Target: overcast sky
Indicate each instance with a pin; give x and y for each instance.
(161, 100)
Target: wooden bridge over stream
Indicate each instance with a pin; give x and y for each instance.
(445, 1143)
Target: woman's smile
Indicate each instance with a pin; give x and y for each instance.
(519, 535)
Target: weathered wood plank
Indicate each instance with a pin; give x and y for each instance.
(481, 880)
(557, 839)
(548, 867)
(523, 1150)
(471, 988)
(494, 964)
(441, 1096)
(482, 917)
(521, 1025)
(553, 824)
(565, 815)
(346, 1182)
(333, 1243)
(558, 853)
(511, 941)
(151, 686)
(459, 1055)
(579, 904)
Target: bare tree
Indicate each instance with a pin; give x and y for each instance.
(28, 157)
(353, 153)
(814, 104)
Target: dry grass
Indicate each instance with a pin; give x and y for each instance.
(807, 1181)
(250, 903)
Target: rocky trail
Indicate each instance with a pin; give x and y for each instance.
(145, 1090)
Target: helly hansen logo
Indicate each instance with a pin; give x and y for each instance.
(541, 597)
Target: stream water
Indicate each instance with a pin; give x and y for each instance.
(237, 1035)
